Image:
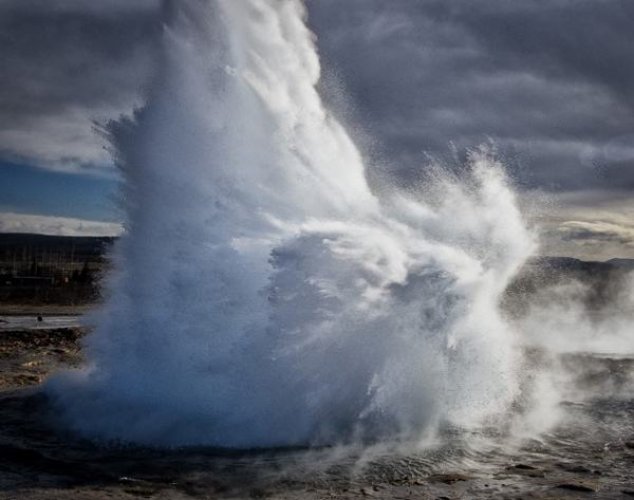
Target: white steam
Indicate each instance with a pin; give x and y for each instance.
(263, 295)
(560, 320)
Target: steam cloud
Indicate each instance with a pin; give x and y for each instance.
(263, 294)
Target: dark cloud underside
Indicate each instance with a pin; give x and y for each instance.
(65, 65)
(551, 82)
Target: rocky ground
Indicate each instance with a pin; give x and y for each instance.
(591, 457)
(28, 356)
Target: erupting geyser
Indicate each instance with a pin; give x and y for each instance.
(263, 295)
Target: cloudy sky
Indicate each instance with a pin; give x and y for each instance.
(550, 83)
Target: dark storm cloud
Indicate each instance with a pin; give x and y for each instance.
(551, 82)
(65, 64)
(582, 39)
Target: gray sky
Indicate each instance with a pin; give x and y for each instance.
(550, 83)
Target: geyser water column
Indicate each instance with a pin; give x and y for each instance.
(262, 294)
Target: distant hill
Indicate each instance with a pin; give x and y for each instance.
(36, 269)
(23, 246)
(622, 263)
(94, 247)
(570, 263)
(65, 269)
(602, 281)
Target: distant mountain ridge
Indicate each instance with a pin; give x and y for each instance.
(625, 263)
(95, 246)
(573, 263)
(37, 269)
(36, 246)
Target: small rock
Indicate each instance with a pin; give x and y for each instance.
(584, 486)
(522, 466)
(449, 478)
(576, 468)
(525, 470)
(26, 379)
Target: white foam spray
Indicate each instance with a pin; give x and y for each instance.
(263, 295)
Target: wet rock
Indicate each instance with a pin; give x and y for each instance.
(26, 379)
(259, 493)
(523, 466)
(141, 491)
(578, 469)
(449, 478)
(578, 485)
(525, 470)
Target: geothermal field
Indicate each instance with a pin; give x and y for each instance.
(278, 322)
